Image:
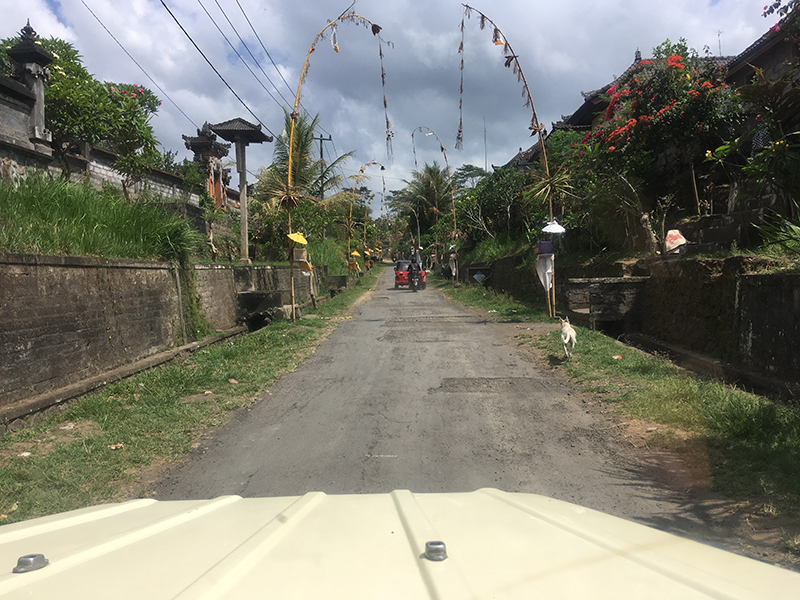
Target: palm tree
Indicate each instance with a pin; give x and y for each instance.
(311, 178)
(428, 193)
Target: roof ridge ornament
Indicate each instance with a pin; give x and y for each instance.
(28, 33)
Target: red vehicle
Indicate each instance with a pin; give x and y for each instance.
(401, 275)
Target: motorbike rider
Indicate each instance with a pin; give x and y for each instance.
(413, 269)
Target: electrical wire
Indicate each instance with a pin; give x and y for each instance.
(263, 47)
(246, 47)
(186, 33)
(160, 89)
(237, 54)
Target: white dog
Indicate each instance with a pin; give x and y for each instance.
(568, 336)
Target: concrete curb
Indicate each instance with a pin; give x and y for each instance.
(712, 367)
(16, 412)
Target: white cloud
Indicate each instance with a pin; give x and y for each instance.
(565, 47)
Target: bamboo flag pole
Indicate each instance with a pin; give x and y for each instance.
(512, 62)
(291, 200)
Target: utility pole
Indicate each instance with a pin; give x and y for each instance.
(322, 139)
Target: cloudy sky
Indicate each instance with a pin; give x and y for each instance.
(564, 47)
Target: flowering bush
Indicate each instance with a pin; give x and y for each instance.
(146, 100)
(662, 114)
(669, 102)
(80, 109)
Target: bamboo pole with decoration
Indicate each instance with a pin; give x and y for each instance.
(291, 197)
(536, 128)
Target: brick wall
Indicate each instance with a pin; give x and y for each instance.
(66, 319)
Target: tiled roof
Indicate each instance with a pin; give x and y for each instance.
(769, 39)
(239, 128)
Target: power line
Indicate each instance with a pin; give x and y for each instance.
(273, 63)
(246, 47)
(237, 53)
(138, 65)
(264, 47)
(178, 23)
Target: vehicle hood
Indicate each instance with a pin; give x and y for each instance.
(498, 545)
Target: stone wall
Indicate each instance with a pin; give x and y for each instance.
(18, 151)
(768, 324)
(217, 291)
(66, 319)
(17, 106)
(691, 304)
(720, 308)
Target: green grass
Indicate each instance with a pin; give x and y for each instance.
(51, 216)
(501, 306)
(329, 252)
(753, 442)
(149, 416)
(497, 247)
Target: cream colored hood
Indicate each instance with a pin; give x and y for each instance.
(497, 545)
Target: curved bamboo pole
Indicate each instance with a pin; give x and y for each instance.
(449, 180)
(290, 197)
(513, 60)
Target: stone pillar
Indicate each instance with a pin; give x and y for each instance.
(31, 68)
(241, 166)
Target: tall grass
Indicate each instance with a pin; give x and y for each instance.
(494, 248)
(329, 252)
(51, 216)
(753, 441)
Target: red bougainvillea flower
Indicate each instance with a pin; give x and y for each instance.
(675, 61)
(611, 148)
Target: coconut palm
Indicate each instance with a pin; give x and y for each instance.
(428, 194)
(311, 178)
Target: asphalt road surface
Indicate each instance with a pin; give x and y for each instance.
(416, 392)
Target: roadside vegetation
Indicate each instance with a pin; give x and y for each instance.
(670, 146)
(752, 442)
(98, 449)
(56, 217)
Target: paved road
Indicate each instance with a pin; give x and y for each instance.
(416, 392)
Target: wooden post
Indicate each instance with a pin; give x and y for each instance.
(551, 293)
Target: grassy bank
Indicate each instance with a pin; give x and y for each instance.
(501, 306)
(752, 442)
(97, 449)
(55, 217)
